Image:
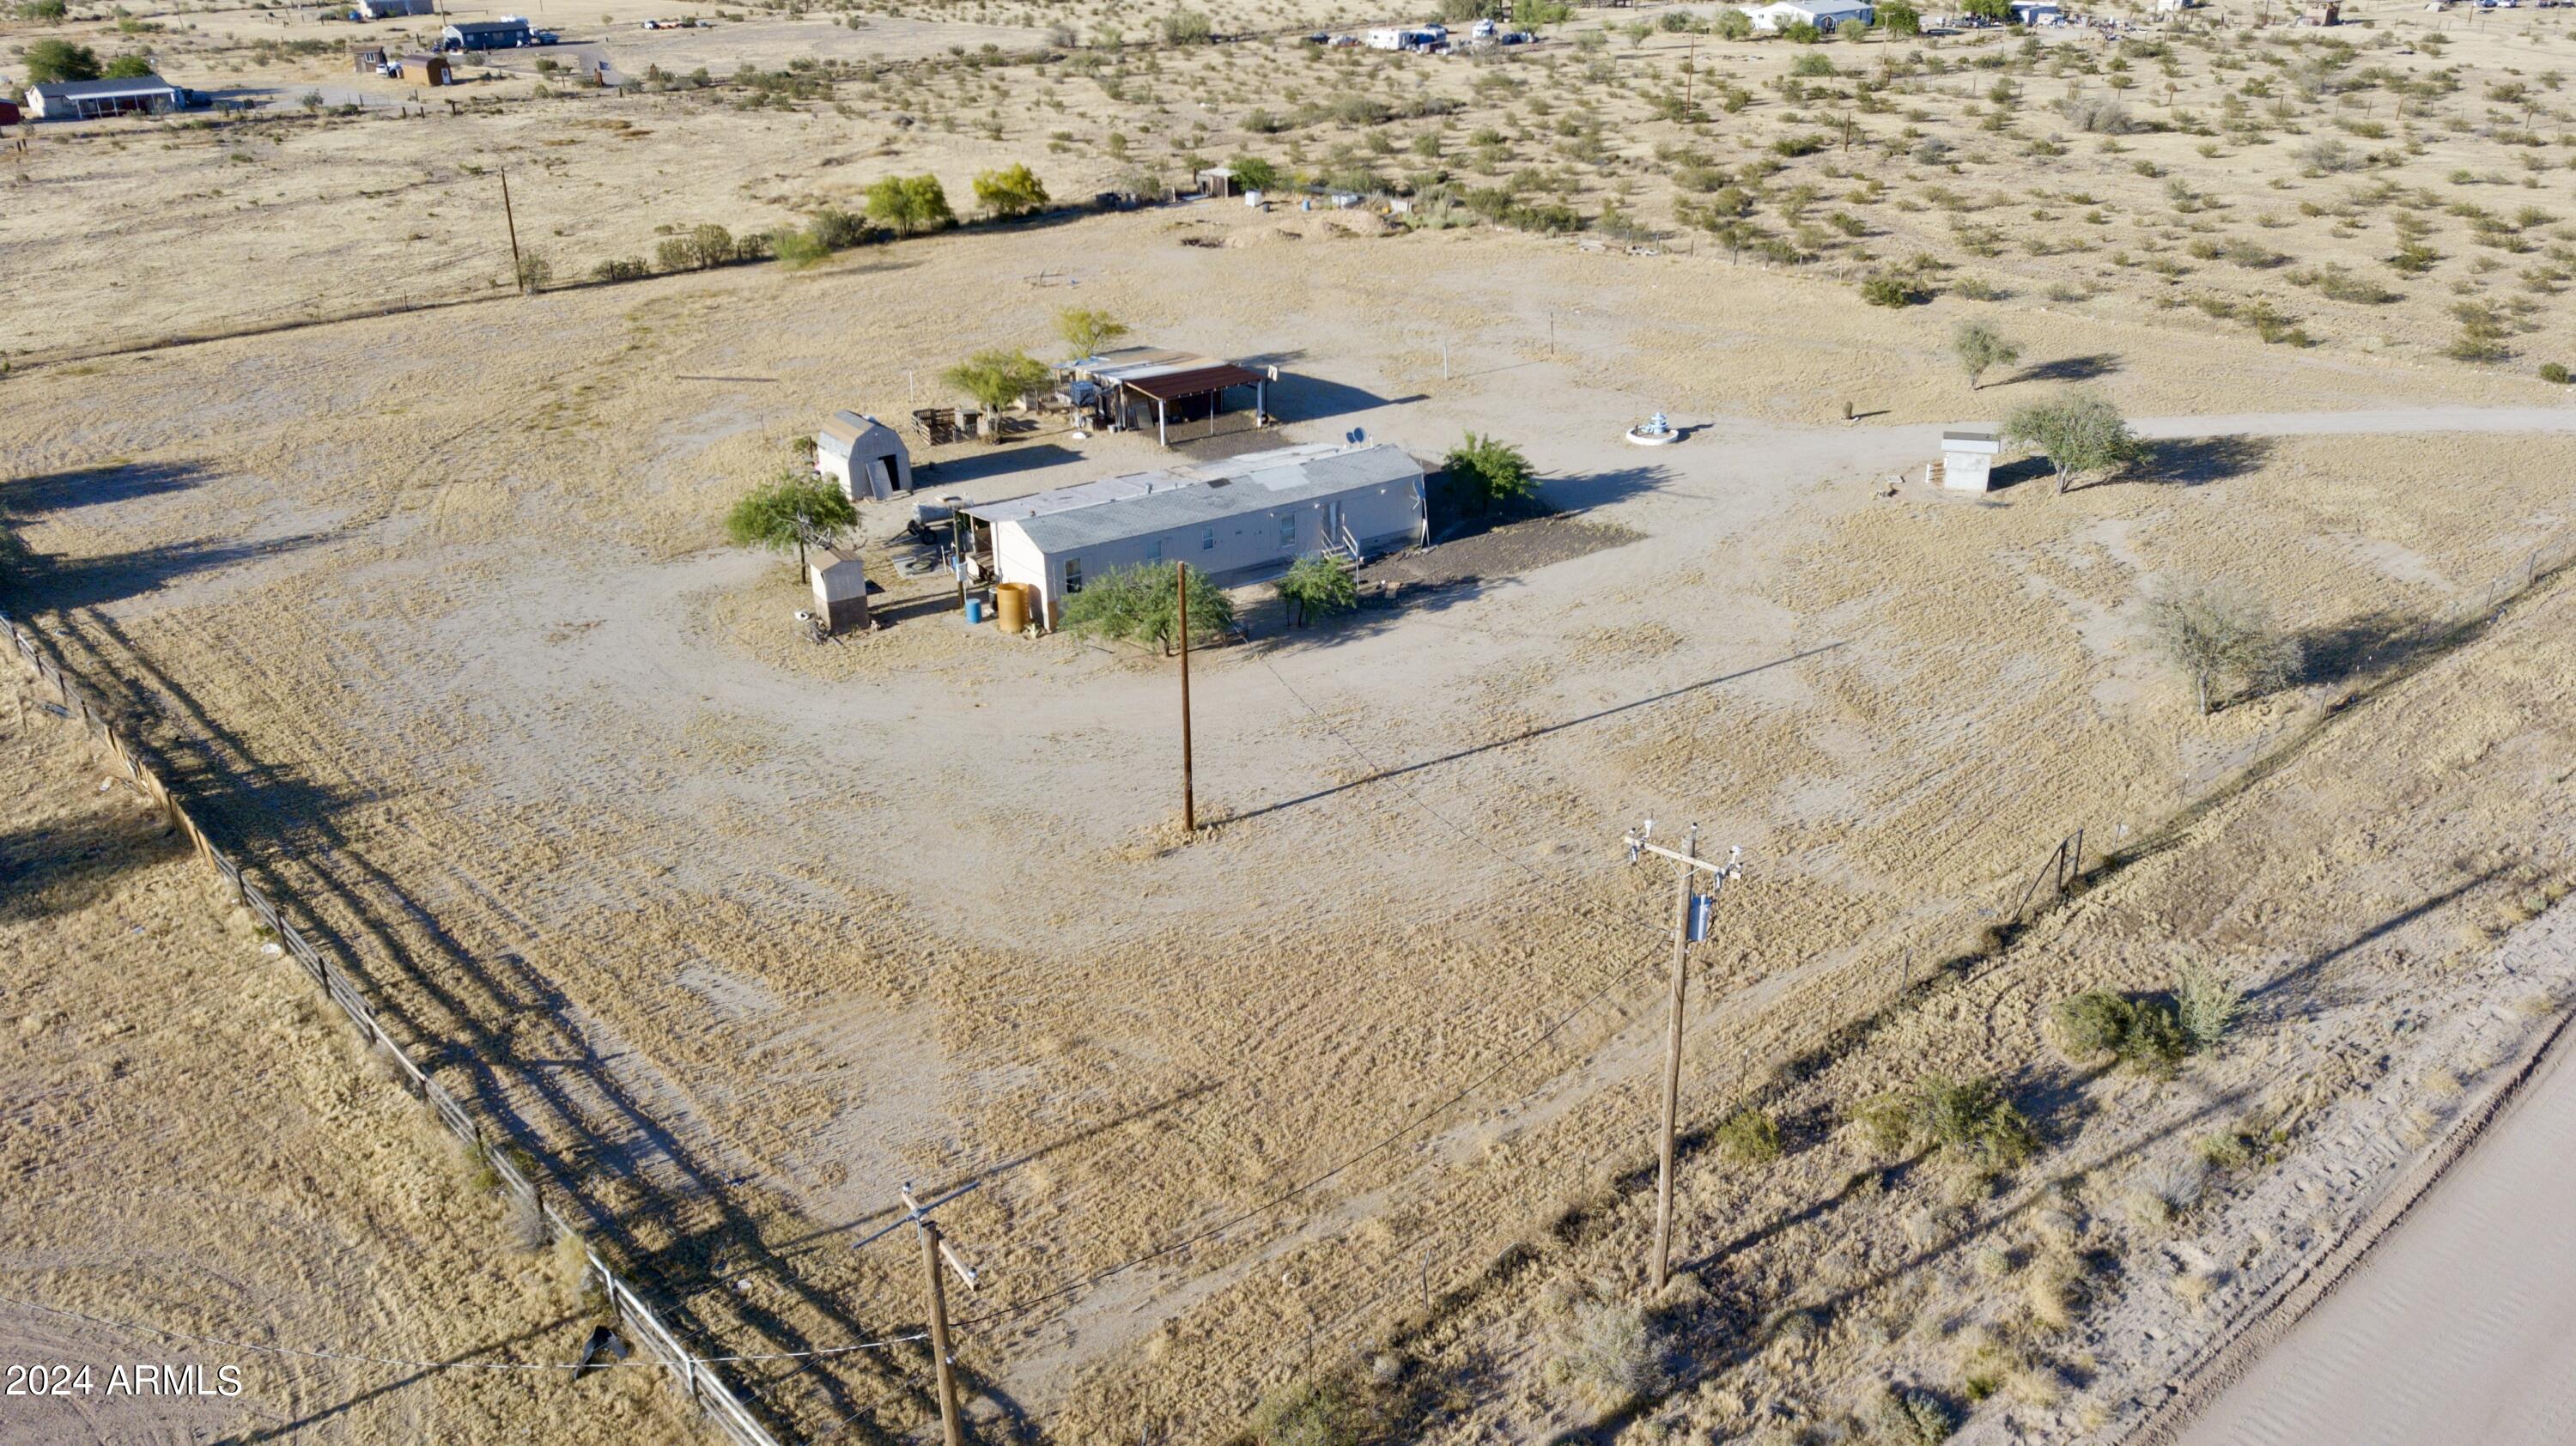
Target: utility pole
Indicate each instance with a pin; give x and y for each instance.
(1691, 917)
(935, 1250)
(518, 268)
(1189, 800)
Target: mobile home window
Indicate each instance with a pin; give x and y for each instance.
(1072, 576)
(1154, 550)
(1288, 531)
(1207, 539)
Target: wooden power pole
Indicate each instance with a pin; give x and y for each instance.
(936, 1251)
(518, 268)
(1690, 921)
(1189, 798)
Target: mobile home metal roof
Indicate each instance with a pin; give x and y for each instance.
(1142, 503)
(54, 90)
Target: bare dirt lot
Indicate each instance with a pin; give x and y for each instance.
(741, 933)
(197, 1149)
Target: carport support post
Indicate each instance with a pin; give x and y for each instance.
(1189, 801)
(957, 545)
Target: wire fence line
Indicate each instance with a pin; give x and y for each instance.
(695, 1377)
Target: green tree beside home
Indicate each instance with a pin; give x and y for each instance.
(782, 512)
(1141, 604)
(996, 379)
(1488, 474)
(1316, 585)
(48, 61)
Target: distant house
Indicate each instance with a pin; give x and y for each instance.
(864, 455)
(389, 9)
(1822, 14)
(507, 33)
(1408, 37)
(89, 99)
(1233, 519)
(2037, 12)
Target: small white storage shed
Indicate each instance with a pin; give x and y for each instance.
(864, 455)
(1967, 460)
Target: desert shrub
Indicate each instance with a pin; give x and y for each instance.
(1801, 33)
(1607, 1355)
(1749, 1137)
(2206, 1004)
(1852, 31)
(2554, 373)
(2218, 632)
(2143, 1033)
(1980, 349)
(43, 10)
(798, 249)
(1888, 288)
(1970, 1121)
(2163, 1191)
(630, 268)
(1187, 27)
(2483, 330)
(1013, 190)
(674, 255)
(1900, 19)
(1813, 63)
(2096, 114)
(1306, 1414)
(1911, 1417)
(711, 245)
(1732, 24)
(536, 270)
(838, 229)
(1252, 173)
(1314, 585)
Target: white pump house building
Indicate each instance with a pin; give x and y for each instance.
(1233, 520)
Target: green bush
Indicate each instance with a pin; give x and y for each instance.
(127, 67)
(838, 229)
(675, 255)
(1141, 604)
(1316, 585)
(2554, 373)
(1306, 1414)
(1187, 27)
(2206, 1004)
(1013, 190)
(1887, 288)
(43, 10)
(1749, 1137)
(1911, 1418)
(1489, 474)
(621, 269)
(1251, 173)
(908, 205)
(798, 249)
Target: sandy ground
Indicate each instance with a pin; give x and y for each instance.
(2461, 1324)
(195, 1146)
(739, 934)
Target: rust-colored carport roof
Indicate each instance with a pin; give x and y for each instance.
(1198, 381)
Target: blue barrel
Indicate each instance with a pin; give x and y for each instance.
(974, 610)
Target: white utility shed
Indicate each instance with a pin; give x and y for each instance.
(1967, 460)
(864, 455)
(1231, 519)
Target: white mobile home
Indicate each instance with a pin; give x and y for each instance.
(1233, 519)
(1822, 14)
(91, 99)
(864, 455)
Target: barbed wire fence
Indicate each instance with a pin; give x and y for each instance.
(696, 1378)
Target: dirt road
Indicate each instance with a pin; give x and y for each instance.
(2461, 1325)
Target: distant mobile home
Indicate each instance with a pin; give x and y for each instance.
(1822, 14)
(507, 33)
(90, 99)
(1234, 519)
(389, 9)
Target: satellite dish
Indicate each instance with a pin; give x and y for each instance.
(1357, 436)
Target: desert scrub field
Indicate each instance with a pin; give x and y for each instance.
(2399, 185)
(201, 1149)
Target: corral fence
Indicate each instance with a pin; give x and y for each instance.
(700, 1382)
